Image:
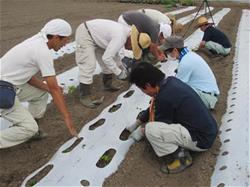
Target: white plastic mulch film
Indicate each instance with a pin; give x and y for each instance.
(79, 166)
(233, 163)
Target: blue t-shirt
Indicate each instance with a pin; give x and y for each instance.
(194, 71)
(176, 102)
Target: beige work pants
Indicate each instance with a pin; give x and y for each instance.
(166, 138)
(24, 125)
(88, 54)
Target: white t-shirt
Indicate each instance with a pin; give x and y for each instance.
(156, 15)
(24, 60)
(111, 36)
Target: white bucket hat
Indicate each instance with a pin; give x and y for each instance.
(166, 30)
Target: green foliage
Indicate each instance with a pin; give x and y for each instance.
(169, 3)
(187, 2)
(105, 158)
(72, 89)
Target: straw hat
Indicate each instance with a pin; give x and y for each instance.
(139, 41)
(202, 21)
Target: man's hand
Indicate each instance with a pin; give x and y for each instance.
(161, 57)
(133, 126)
(71, 127)
(123, 75)
(138, 134)
(202, 44)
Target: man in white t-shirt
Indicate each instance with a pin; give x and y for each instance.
(99, 40)
(19, 67)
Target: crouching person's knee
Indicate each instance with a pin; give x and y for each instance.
(31, 127)
(152, 130)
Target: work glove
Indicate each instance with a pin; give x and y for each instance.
(137, 134)
(134, 125)
(123, 75)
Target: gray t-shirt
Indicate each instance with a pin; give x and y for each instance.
(143, 23)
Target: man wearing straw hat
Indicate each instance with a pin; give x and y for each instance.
(144, 24)
(17, 77)
(213, 39)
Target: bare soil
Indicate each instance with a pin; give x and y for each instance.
(21, 19)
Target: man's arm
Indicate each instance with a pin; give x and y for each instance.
(34, 81)
(58, 99)
(153, 48)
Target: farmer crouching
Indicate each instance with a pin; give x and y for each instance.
(176, 121)
(17, 73)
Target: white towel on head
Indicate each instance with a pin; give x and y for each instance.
(165, 29)
(57, 27)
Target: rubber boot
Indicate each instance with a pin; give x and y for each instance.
(85, 98)
(107, 82)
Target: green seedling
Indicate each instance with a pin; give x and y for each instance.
(71, 89)
(105, 158)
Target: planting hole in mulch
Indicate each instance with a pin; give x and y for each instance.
(225, 153)
(129, 93)
(221, 185)
(223, 167)
(35, 179)
(115, 107)
(124, 135)
(97, 124)
(106, 158)
(70, 148)
(84, 183)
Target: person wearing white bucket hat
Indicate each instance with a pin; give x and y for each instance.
(18, 69)
(160, 18)
(145, 24)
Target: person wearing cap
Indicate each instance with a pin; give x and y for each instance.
(146, 25)
(193, 70)
(18, 68)
(176, 120)
(99, 40)
(213, 39)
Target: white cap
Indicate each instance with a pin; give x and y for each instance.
(165, 29)
(57, 27)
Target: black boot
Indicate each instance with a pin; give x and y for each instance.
(85, 98)
(107, 82)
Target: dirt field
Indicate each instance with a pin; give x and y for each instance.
(22, 18)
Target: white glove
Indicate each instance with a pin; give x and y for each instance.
(137, 135)
(133, 126)
(123, 75)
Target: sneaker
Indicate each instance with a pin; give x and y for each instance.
(39, 135)
(182, 161)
